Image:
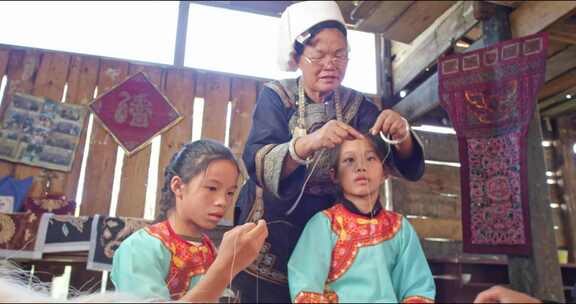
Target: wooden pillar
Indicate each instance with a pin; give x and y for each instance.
(567, 137)
(538, 274)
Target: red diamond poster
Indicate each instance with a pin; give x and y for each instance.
(134, 112)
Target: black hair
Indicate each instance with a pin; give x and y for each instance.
(313, 31)
(192, 159)
(381, 148)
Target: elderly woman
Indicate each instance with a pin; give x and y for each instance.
(294, 122)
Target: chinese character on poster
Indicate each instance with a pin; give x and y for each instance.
(134, 112)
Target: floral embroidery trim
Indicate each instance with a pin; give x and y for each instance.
(328, 296)
(355, 231)
(259, 162)
(188, 260)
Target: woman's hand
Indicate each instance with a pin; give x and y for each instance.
(395, 127)
(241, 245)
(391, 124)
(499, 294)
(328, 136)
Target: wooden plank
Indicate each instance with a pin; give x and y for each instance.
(180, 89)
(49, 83)
(4, 58)
(21, 71)
(450, 229)
(564, 82)
(560, 63)
(417, 18)
(243, 100)
(433, 42)
(377, 16)
(567, 137)
(216, 98)
(534, 16)
(436, 194)
(103, 148)
(439, 147)
(554, 47)
(81, 85)
(134, 180)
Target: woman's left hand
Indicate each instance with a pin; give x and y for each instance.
(395, 127)
(391, 124)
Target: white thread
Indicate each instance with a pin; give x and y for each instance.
(305, 183)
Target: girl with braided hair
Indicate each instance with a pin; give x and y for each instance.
(173, 259)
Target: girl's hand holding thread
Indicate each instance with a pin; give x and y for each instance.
(241, 245)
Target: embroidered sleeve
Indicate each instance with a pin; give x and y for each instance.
(267, 146)
(309, 263)
(417, 299)
(411, 275)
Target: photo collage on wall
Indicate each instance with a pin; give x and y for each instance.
(41, 132)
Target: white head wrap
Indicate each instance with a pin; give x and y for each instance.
(297, 19)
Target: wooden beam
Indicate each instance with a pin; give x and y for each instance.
(375, 16)
(433, 42)
(416, 19)
(567, 136)
(546, 104)
(564, 108)
(561, 62)
(538, 274)
(534, 16)
(181, 29)
(559, 84)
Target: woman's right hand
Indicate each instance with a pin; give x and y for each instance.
(241, 245)
(328, 136)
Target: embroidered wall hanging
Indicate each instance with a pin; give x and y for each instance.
(22, 235)
(490, 96)
(41, 132)
(134, 112)
(67, 233)
(106, 235)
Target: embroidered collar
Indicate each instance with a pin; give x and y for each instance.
(349, 205)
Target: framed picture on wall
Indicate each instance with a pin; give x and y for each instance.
(40, 132)
(134, 112)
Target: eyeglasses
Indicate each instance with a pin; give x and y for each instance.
(338, 60)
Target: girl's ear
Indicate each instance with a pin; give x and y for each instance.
(334, 176)
(176, 185)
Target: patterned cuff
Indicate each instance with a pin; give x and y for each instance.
(417, 299)
(273, 164)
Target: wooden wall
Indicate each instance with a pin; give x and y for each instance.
(75, 78)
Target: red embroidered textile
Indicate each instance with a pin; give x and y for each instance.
(187, 260)
(134, 112)
(490, 96)
(355, 231)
